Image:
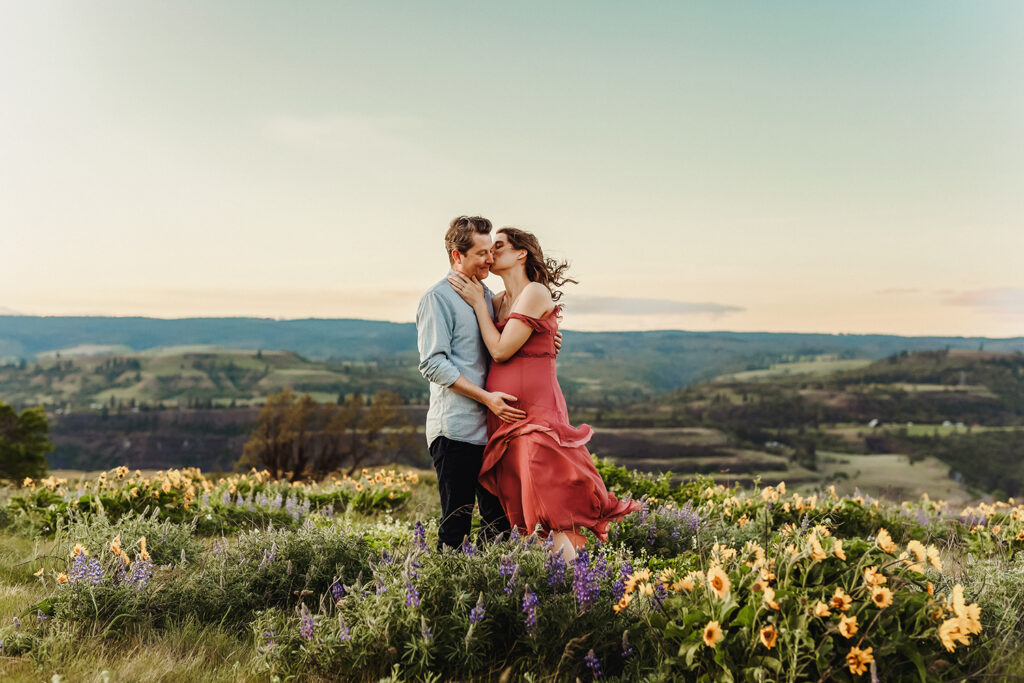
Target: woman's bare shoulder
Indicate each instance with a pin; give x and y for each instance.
(535, 301)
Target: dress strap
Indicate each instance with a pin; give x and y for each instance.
(537, 324)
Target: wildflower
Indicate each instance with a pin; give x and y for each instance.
(593, 664)
(686, 584)
(718, 580)
(307, 623)
(623, 603)
(837, 549)
(884, 541)
(817, 552)
(881, 596)
(62, 578)
(79, 549)
(933, 557)
(476, 615)
(344, 633)
(840, 600)
(742, 521)
(918, 549)
(768, 635)
(769, 597)
(424, 630)
(950, 634)
(847, 626)
(115, 545)
(627, 649)
(530, 602)
(930, 589)
(820, 609)
(38, 573)
(419, 536)
(412, 596)
(467, 547)
(510, 569)
(873, 577)
(40, 616)
(858, 659)
(713, 634)
(619, 587)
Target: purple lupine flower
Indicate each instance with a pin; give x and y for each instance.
(645, 509)
(307, 623)
(344, 632)
(510, 569)
(269, 555)
(412, 567)
(40, 616)
(476, 615)
(593, 664)
(337, 590)
(652, 527)
(804, 522)
(554, 564)
(142, 572)
(381, 588)
(384, 557)
(627, 649)
(467, 547)
(412, 596)
(585, 584)
(419, 537)
(269, 637)
(530, 602)
(17, 623)
(95, 572)
(239, 501)
(513, 535)
(601, 566)
(660, 593)
(79, 568)
(619, 587)
(424, 630)
(226, 498)
(328, 510)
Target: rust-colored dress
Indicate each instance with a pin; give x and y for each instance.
(539, 467)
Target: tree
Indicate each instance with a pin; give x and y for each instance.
(296, 437)
(24, 443)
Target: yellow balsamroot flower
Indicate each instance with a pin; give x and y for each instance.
(26, 482)
(758, 586)
(768, 635)
(1020, 536)
(767, 575)
(115, 545)
(62, 578)
(873, 577)
(884, 541)
(881, 596)
(969, 615)
(821, 529)
(38, 573)
(817, 552)
(79, 549)
(645, 588)
(820, 609)
(933, 557)
(718, 580)
(837, 549)
(713, 634)
(782, 487)
(918, 549)
(742, 521)
(359, 487)
(769, 597)
(858, 659)
(847, 626)
(623, 603)
(840, 600)
(950, 633)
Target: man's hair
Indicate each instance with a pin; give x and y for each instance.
(460, 234)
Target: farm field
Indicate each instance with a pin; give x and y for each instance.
(245, 578)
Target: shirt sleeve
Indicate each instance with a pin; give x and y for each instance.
(434, 339)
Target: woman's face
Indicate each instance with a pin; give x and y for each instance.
(505, 256)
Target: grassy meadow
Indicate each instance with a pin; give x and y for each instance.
(175, 576)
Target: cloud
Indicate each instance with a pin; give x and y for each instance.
(8, 311)
(1007, 300)
(606, 305)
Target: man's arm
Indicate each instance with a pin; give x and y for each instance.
(433, 338)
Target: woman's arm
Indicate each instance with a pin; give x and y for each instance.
(534, 302)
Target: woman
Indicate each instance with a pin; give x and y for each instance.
(538, 467)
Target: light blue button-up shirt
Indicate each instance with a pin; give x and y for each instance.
(449, 341)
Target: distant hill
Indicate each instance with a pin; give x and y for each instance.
(595, 367)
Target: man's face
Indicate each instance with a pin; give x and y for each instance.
(477, 261)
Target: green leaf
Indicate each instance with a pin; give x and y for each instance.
(913, 655)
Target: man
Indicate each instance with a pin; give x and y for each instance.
(454, 359)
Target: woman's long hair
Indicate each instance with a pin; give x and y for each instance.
(546, 271)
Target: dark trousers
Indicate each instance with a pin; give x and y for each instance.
(457, 464)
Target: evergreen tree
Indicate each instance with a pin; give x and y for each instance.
(24, 443)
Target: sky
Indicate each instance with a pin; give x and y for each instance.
(792, 166)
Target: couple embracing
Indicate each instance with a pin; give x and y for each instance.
(497, 427)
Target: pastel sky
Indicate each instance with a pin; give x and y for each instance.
(803, 166)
